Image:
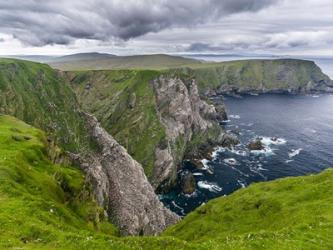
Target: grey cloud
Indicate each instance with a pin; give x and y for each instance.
(41, 22)
(286, 41)
(204, 47)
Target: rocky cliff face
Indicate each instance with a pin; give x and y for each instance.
(40, 96)
(155, 115)
(183, 114)
(263, 76)
(122, 187)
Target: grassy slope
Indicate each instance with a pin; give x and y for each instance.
(47, 206)
(36, 93)
(158, 61)
(138, 129)
(290, 213)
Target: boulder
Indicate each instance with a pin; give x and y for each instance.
(256, 145)
(229, 140)
(187, 182)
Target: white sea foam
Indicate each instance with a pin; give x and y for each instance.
(206, 166)
(294, 152)
(234, 116)
(266, 151)
(177, 206)
(210, 186)
(241, 183)
(273, 141)
(198, 174)
(238, 152)
(230, 161)
(287, 161)
(216, 151)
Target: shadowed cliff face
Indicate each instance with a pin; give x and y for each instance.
(121, 186)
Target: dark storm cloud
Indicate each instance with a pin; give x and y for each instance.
(42, 22)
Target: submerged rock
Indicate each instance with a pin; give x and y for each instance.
(187, 182)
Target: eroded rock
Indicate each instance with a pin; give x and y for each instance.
(187, 182)
(256, 145)
(122, 188)
(184, 114)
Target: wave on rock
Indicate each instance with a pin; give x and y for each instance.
(230, 161)
(272, 141)
(266, 151)
(234, 116)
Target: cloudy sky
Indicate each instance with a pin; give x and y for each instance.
(282, 27)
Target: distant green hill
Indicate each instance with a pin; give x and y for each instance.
(86, 62)
(75, 58)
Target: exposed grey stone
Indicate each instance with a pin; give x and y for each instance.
(183, 114)
(255, 145)
(121, 186)
(187, 182)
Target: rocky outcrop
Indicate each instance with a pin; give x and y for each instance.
(254, 77)
(187, 182)
(184, 115)
(121, 186)
(256, 145)
(229, 140)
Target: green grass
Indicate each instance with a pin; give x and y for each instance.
(137, 128)
(39, 95)
(290, 213)
(40, 202)
(48, 206)
(257, 74)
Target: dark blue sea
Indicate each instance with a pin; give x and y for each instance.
(297, 132)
